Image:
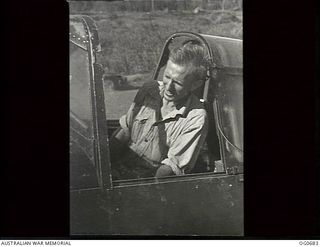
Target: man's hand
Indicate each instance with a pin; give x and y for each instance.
(121, 136)
(164, 171)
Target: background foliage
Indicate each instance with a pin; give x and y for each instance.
(132, 33)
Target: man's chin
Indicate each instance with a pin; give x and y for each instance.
(176, 98)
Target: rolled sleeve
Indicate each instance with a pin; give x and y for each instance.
(184, 150)
(126, 120)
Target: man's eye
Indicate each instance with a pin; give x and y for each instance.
(177, 82)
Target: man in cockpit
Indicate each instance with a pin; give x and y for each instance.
(166, 125)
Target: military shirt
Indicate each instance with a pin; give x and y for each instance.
(175, 139)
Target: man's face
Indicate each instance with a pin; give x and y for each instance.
(176, 80)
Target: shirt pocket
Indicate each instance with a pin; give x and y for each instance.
(138, 129)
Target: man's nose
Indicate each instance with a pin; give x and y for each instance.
(169, 84)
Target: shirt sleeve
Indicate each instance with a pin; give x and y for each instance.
(127, 119)
(185, 149)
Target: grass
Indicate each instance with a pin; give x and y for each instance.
(132, 41)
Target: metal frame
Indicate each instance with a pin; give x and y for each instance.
(101, 149)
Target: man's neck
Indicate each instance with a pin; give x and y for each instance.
(169, 106)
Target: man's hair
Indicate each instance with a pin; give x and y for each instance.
(192, 54)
